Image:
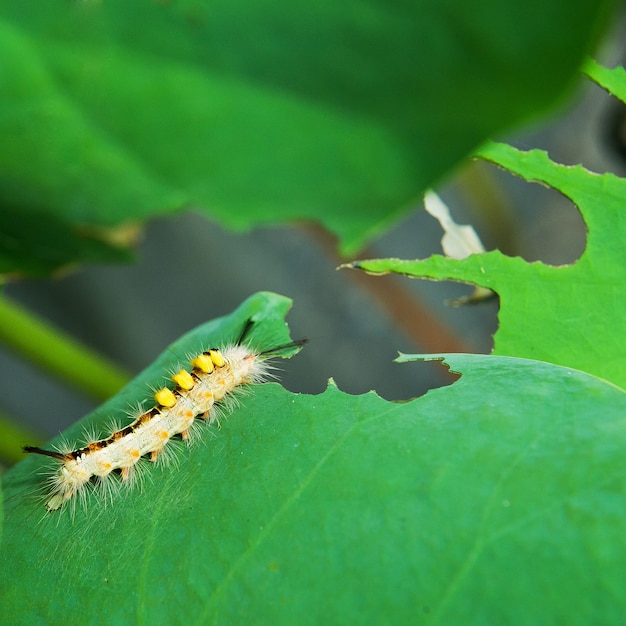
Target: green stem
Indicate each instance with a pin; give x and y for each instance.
(57, 353)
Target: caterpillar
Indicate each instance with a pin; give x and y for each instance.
(200, 393)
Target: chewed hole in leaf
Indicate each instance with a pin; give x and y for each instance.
(398, 382)
(359, 368)
(614, 130)
(428, 375)
(546, 225)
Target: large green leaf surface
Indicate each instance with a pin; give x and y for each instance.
(498, 499)
(256, 112)
(569, 315)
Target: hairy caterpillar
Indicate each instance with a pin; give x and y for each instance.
(215, 374)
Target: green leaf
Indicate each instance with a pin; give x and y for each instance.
(499, 499)
(613, 80)
(34, 242)
(111, 112)
(569, 315)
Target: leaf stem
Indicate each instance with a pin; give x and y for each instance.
(57, 353)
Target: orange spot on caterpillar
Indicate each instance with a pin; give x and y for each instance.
(104, 468)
